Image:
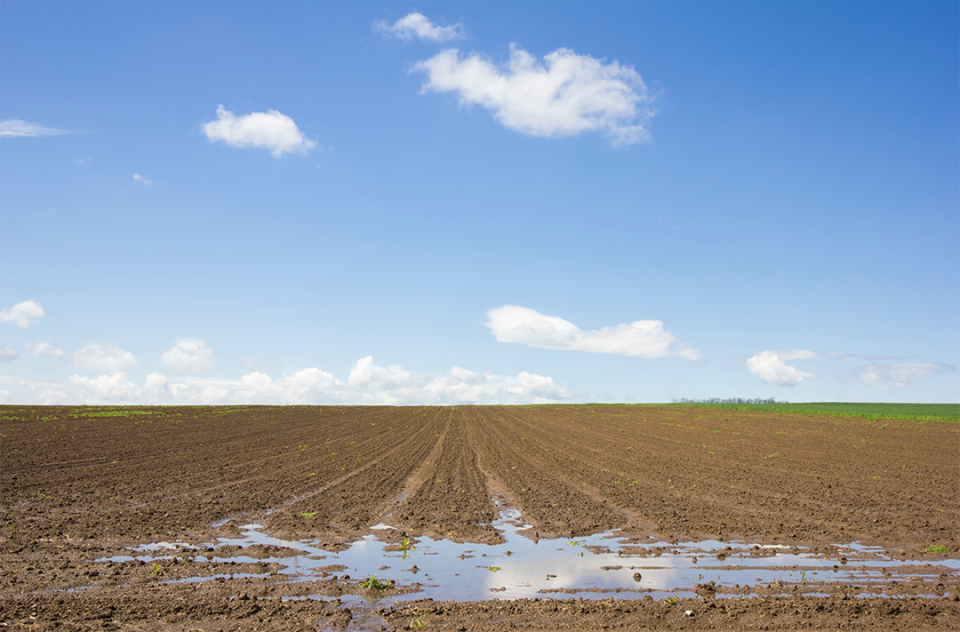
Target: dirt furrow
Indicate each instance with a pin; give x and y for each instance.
(454, 480)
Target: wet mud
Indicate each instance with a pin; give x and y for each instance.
(140, 518)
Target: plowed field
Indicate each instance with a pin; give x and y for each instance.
(83, 483)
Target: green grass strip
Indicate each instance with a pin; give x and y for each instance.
(912, 412)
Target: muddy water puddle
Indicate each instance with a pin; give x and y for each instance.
(599, 566)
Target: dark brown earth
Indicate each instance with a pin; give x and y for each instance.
(83, 483)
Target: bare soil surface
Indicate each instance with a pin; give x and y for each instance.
(82, 484)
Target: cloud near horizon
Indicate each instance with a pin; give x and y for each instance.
(562, 95)
(640, 339)
(269, 130)
(417, 25)
(188, 356)
(771, 366)
(23, 315)
(367, 383)
(896, 375)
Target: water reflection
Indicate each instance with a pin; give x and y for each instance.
(591, 567)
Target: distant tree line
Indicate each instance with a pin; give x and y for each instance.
(729, 400)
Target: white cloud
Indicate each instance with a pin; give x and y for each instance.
(108, 387)
(49, 397)
(639, 339)
(15, 128)
(367, 375)
(8, 354)
(418, 25)
(564, 96)
(139, 178)
(890, 377)
(367, 384)
(107, 357)
(464, 386)
(188, 356)
(23, 314)
(771, 367)
(28, 382)
(156, 385)
(45, 349)
(265, 130)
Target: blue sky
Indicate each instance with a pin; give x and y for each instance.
(479, 203)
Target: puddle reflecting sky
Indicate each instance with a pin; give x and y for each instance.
(524, 567)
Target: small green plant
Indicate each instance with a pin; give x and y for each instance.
(42, 495)
(406, 544)
(308, 514)
(418, 622)
(938, 548)
(673, 600)
(494, 569)
(157, 569)
(375, 584)
(573, 543)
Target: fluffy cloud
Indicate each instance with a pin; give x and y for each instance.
(367, 384)
(49, 397)
(23, 314)
(890, 377)
(639, 339)
(564, 96)
(139, 178)
(108, 387)
(395, 386)
(265, 130)
(369, 376)
(417, 25)
(464, 386)
(45, 349)
(156, 385)
(772, 368)
(8, 354)
(16, 128)
(107, 357)
(188, 356)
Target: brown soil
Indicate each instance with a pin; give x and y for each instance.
(82, 483)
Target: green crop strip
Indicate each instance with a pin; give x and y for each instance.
(122, 412)
(910, 412)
